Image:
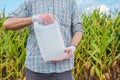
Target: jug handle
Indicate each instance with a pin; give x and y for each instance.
(56, 22)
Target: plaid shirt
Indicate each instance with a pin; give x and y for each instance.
(68, 15)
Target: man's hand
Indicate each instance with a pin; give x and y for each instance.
(43, 19)
(69, 51)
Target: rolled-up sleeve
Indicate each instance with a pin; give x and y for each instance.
(76, 21)
(22, 11)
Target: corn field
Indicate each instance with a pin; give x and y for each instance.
(12, 53)
(97, 57)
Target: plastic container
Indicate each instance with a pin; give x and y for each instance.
(50, 41)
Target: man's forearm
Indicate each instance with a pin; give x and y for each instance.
(17, 23)
(76, 39)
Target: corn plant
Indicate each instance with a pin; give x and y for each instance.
(12, 53)
(98, 54)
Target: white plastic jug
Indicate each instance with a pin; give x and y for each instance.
(50, 41)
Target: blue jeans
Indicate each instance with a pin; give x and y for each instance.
(30, 75)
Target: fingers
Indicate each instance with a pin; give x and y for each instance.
(58, 60)
(47, 18)
(68, 52)
(51, 18)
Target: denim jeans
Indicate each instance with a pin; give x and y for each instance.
(30, 75)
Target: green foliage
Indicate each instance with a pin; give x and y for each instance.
(12, 52)
(97, 57)
(98, 54)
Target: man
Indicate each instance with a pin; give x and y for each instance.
(44, 12)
